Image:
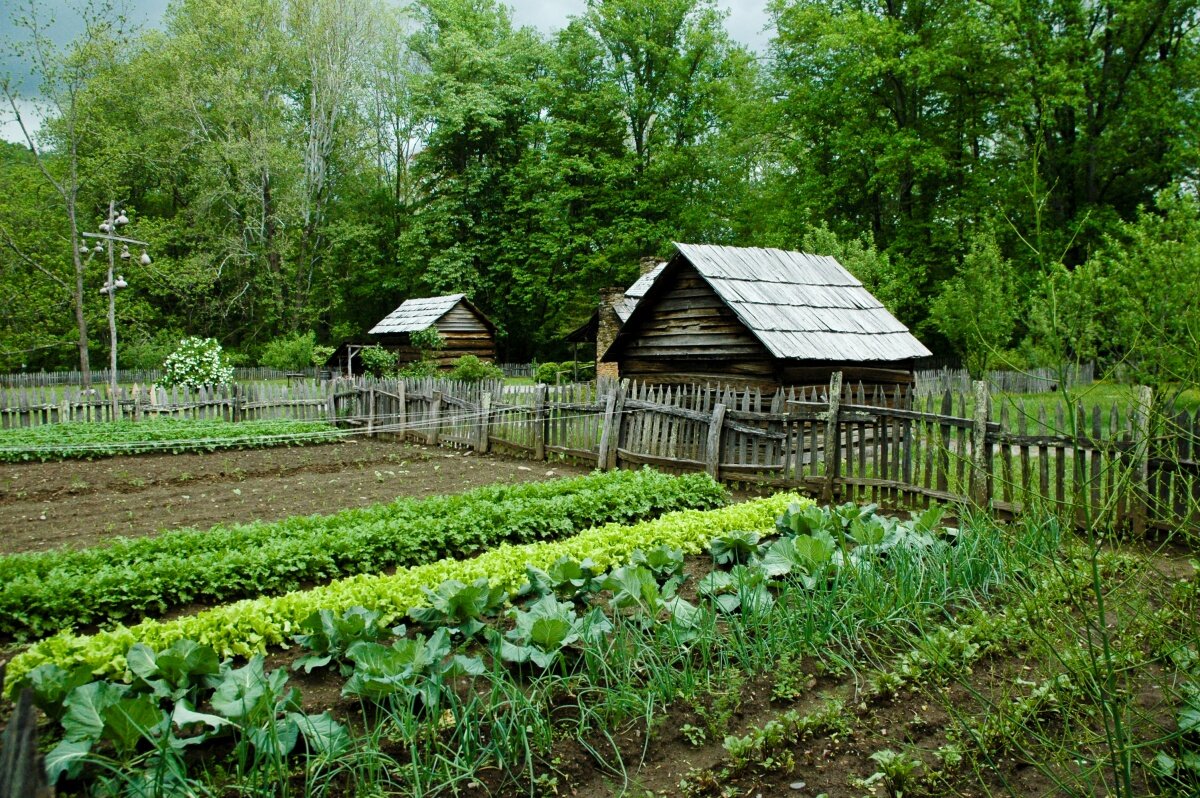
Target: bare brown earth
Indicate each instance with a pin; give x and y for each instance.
(81, 503)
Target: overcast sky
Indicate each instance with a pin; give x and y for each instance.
(746, 22)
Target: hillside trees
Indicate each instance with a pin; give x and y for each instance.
(308, 165)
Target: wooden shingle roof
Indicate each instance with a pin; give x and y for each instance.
(800, 306)
(635, 292)
(421, 313)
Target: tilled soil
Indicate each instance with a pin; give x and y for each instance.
(80, 503)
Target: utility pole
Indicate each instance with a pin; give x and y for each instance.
(107, 233)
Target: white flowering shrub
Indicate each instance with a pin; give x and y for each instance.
(197, 362)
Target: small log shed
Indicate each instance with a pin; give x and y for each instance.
(463, 327)
(760, 318)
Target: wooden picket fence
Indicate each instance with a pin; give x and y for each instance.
(39, 379)
(1132, 465)
(31, 407)
(935, 382)
(1129, 466)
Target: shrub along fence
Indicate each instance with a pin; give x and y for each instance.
(1133, 465)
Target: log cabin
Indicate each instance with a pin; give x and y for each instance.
(463, 327)
(756, 318)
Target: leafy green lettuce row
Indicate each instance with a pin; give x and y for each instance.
(48, 592)
(250, 626)
(90, 439)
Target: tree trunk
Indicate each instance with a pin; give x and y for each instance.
(85, 367)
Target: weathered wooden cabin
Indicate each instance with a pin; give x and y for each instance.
(762, 318)
(463, 327)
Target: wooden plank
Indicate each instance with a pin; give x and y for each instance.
(483, 423)
(433, 423)
(638, 458)
(608, 431)
(832, 453)
(539, 422)
(981, 449)
(712, 449)
(572, 451)
(943, 458)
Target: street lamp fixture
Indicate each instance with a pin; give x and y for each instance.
(107, 232)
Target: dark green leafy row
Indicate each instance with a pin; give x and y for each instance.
(86, 440)
(47, 592)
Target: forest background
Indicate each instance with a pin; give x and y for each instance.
(1014, 179)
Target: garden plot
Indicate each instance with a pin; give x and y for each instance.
(82, 503)
(770, 647)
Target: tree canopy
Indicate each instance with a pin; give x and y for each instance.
(305, 166)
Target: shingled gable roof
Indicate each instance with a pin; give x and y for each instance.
(635, 292)
(420, 314)
(800, 306)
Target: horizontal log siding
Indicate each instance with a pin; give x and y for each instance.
(689, 335)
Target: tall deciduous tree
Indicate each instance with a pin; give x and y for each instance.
(64, 104)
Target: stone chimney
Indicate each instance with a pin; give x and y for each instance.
(607, 327)
(648, 264)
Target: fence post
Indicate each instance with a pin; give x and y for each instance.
(981, 449)
(712, 451)
(435, 418)
(606, 432)
(401, 419)
(331, 405)
(371, 410)
(613, 452)
(832, 454)
(235, 403)
(1141, 464)
(22, 768)
(485, 422)
(539, 422)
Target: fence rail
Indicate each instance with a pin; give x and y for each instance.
(1122, 465)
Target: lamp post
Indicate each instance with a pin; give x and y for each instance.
(107, 233)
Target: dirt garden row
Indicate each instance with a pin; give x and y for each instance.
(83, 503)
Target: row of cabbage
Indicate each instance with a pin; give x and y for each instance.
(47, 592)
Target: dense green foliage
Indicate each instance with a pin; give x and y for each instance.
(470, 368)
(46, 592)
(89, 439)
(292, 352)
(304, 166)
(245, 627)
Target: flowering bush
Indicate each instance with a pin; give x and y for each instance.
(197, 362)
